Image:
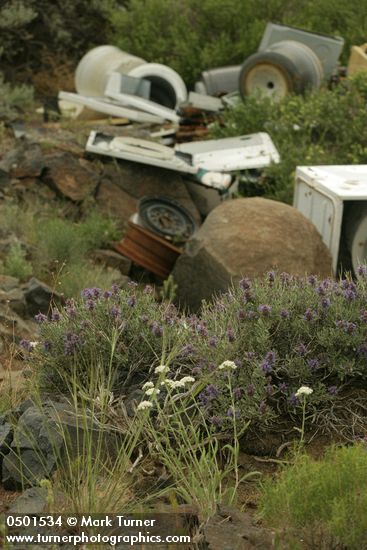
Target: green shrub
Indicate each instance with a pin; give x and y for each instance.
(14, 99)
(16, 263)
(320, 501)
(75, 277)
(322, 127)
(27, 26)
(62, 240)
(60, 247)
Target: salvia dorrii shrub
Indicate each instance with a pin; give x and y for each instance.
(282, 333)
(110, 338)
(275, 335)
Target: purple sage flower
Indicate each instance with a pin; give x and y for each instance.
(90, 305)
(187, 350)
(266, 366)
(325, 302)
(309, 315)
(25, 344)
(250, 390)
(47, 345)
(312, 280)
(241, 314)
(115, 289)
(245, 283)
(349, 294)
(362, 270)
(237, 394)
(107, 294)
(284, 313)
(115, 312)
(283, 387)
(264, 309)
(131, 301)
(262, 407)
(213, 341)
(157, 329)
(71, 341)
(362, 350)
(230, 334)
(55, 315)
(293, 400)
(271, 357)
(301, 349)
(312, 363)
(40, 318)
(333, 390)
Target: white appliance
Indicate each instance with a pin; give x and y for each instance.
(334, 198)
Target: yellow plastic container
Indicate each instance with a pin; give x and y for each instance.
(358, 59)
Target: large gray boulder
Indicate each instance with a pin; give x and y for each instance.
(247, 237)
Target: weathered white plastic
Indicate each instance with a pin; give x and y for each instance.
(107, 106)
(94, 69)
(321, 193)
(114, 90)
(231, 154)
(163, 77)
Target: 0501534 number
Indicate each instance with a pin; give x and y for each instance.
(34, 521)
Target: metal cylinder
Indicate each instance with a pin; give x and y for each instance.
(285, 67)
(93, 70)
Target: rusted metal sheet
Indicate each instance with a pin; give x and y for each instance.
(148, 250)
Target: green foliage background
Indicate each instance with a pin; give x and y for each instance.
(194, 35)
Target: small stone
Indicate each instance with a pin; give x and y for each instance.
(38, 297)
(112, 259)
(74, 178)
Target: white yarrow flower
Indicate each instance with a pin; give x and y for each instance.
(187, 380)
(151, 391)
(33, 344)
(227, 365)
(304, 390)
(148, 385)
(160, 369)
(173, 384)
(144, 405)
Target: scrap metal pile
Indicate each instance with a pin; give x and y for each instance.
(155, 97)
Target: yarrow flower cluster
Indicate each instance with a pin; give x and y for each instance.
(227, 365)
(161, 369)
(144, 405)
(303, 390)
